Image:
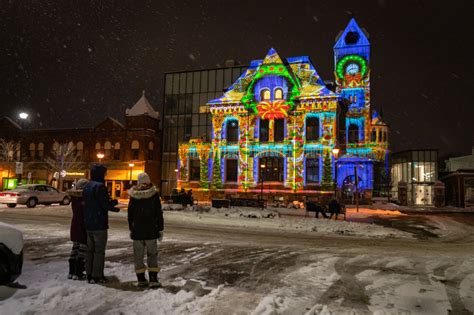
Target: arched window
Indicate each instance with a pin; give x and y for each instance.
(40, 150)
(32, 151)
(98, 146)
(265, 95)
(135, 149)
(151, 147)
(117, 151)
(80, 148)
(278, 94)
(353, 134)
(55, 146)
(312, 128)
(232, 131)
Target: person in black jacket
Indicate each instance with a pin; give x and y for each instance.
(145, 220)
(97, 204)
(334, 208)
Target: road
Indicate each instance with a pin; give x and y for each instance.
(347, 274)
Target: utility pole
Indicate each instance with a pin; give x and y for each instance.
(356, 188)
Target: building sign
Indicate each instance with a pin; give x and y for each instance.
(19, 168)
(75, 173)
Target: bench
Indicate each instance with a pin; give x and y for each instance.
(220, 203)
(247, 202)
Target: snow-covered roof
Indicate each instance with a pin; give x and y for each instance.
(142, 107)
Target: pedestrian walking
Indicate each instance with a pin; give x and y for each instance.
(78, 234)
(145, 220)
(97, 204)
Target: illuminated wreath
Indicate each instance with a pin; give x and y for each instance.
(341, 65)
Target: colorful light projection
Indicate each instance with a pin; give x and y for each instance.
(291, 93)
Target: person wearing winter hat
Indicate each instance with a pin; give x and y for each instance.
(145, 221)
(78, 233)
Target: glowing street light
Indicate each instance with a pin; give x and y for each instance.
(131, 169)
(100, 156)
(23, 115)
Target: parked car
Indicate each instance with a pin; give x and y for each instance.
(11, 253)
(31, 195)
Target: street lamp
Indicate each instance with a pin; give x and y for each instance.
(100, 156)
(131, 170)
(23, 115)
(335, 152)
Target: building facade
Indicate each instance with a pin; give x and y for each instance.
(279, 129)
(459, 181)
(185, 113)
(61, 156)
(417, 170)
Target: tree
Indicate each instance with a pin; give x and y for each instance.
(327, 182)
(8, 152)
(63, 158)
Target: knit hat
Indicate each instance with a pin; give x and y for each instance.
(81, 183)
(143, 178)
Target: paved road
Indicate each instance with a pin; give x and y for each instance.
(259, 262)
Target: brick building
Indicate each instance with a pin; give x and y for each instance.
(127, 149)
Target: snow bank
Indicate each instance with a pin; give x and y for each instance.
(251, 218)
(11, 237)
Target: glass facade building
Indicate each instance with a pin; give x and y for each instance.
(185, 113)
(419, 169)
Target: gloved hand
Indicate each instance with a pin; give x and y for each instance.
(115, 209)
(160, 237)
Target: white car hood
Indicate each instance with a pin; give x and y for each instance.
(11, 237)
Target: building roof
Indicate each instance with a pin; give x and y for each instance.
(142, 107)
(352, 26)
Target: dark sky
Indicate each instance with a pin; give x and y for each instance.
(71, 63)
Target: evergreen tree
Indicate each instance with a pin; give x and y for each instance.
(327, 181)
(216, 172)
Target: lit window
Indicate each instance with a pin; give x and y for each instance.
(312, 170)
(312, 128)
(278, 94)
(194, 170)
(135, 148)
(232, 131)
(265, 95)
(117, 151)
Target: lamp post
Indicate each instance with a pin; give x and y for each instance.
(100, 156)
(131, 170)
(335, 152)
(262, 168)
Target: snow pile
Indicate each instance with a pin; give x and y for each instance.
(49, 292)
(11, 237)
(255, 219)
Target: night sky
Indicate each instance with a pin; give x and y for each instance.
(72, 64)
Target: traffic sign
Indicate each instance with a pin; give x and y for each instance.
(19, 168)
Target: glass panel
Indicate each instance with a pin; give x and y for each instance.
(189, 104)
(203, 98)
(196, 103)
(195, 120)
(202, 119)
(182, 83)
(232, 131)
(182, 104)
(168, 84)
(187, 128)
(202, 131)
(219, 80)
(312, 128)
(195, 131)
(227, 77)
(189, 82)
(176, 83)
(212, 80)
(235, 74)
(264, 130)
(273, 170)
(204, 81)
(196, 81)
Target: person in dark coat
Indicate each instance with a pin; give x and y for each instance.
(145, 221)
(78, 234)
(97, 204)
(317, 208)
(334, 208)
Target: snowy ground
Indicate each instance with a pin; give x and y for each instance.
(215, 263)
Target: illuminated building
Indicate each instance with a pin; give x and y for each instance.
(276, 127)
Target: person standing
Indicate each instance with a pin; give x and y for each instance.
(145, 221)
(78, 234)
(334, 208)
(97, 203)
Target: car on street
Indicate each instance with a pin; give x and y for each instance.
(11, 253)
(32, 195)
